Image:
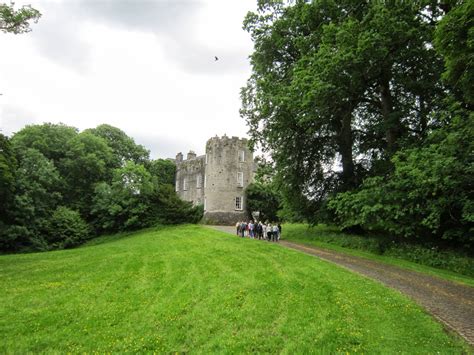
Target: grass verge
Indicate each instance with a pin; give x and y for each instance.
(331, 238)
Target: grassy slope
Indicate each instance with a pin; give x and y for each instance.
(300, 233)
(191, 288)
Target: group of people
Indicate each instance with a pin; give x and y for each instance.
(259, 230)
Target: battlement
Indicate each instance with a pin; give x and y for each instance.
(190, 157)
(225, 140)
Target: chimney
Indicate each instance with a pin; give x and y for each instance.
(179, 157)
(191, 155)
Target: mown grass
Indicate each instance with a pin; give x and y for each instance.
(191, 289)
(331, 238)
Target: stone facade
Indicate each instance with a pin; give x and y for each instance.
(217, 179)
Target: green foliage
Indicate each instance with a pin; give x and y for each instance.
(88, 161)
(163, 171)
(433, 257)
(168, 208)
(337, 87)
(35, 198)
(455, 41)
(123, 205)
(123, 147)
(133, 201)
(429, 193)
(17, 21)
(7, 176)
(347, 98)
(66, 229)
(262, 198)
(49, 173)
(49, 139)
(191, 289)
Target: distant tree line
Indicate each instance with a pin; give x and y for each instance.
(365, 108)
(59, 187)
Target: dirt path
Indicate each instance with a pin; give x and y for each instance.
(450, 302)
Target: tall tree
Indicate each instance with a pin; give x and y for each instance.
(8, 165)
(338, 86)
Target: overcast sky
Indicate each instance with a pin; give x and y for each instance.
(144, 66)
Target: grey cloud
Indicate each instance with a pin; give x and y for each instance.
(14, 118)
(172, 21)
(150, 16)
(199, 59)
(57, 38)
(164, 146)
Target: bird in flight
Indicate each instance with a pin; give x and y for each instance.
(216, 59)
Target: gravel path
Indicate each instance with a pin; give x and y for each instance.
(451, 303)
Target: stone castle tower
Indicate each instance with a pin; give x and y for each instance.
(217, 179)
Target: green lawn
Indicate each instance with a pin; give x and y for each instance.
(327, 237)
(193, 289)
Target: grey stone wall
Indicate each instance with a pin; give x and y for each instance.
(224, 218)
(188, 172)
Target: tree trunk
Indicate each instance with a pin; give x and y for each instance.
(423, 116)
(391, 121)
(345, 149)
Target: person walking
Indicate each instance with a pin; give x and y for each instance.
(251, 230)
(259, 230)
(275, 233)
(237, 227)
(269, 232)
(242, 229)
(279, 230)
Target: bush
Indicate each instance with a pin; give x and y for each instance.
(168, 208)
(66, 229)
(446, 260)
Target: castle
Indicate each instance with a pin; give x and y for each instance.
(217, 179)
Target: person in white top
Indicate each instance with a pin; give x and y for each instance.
(269, 232)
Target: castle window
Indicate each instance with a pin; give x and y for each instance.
(240, 179)
(238, 203)
(241, 156)
(177, 185)
(185, 184)
(199, 181)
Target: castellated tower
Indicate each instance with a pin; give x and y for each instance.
(217, 179)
